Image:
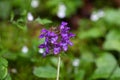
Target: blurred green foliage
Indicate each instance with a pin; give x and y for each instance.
(4, 75)
(94, 56)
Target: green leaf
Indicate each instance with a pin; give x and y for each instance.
(10, 55)
(5, 8)
(19, 25)
(45, 72)
(105, 65)
(3, 68)
(3, 62)
(112, 41)
(8, 77)
(92, 33)
(116, 74)
(112, 16)
(80, 75)
(43, 21)
(105, 60)
(71, 6)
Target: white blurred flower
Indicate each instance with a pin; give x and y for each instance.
(30, 17)
(41, 51)
(13, 70)
(61, 11)
(100, 13)
(76, 62)
(94, 17)
(25, 49)
(97, 15)
(34, 3)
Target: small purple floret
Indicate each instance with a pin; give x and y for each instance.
(56, 41)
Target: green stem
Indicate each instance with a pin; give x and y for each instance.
(58, 68)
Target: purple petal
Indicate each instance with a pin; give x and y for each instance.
(71, 35)
(64, 23)
(42, 46)
(46, 41)
(44, 30)
(47, 50)
(67, 28)
(61, 27)
(64, 35)
(70, 43)
(48, 33)
(54, 39)
(44, 54)
(42, 36)
(52, 34)
(56, 50)
(43, 33)
(65, 48)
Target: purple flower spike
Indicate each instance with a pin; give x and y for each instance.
(56, 39)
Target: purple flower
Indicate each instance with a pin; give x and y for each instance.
(63, 24)
(57, 48)
(56, 39)
(64, 46)
(43, 33)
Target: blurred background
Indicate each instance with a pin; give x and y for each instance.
(96, 51)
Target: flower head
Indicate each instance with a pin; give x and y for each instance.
(56, 39)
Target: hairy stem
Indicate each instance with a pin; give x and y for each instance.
(58, 68)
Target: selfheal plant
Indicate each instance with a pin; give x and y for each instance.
(57, 39)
